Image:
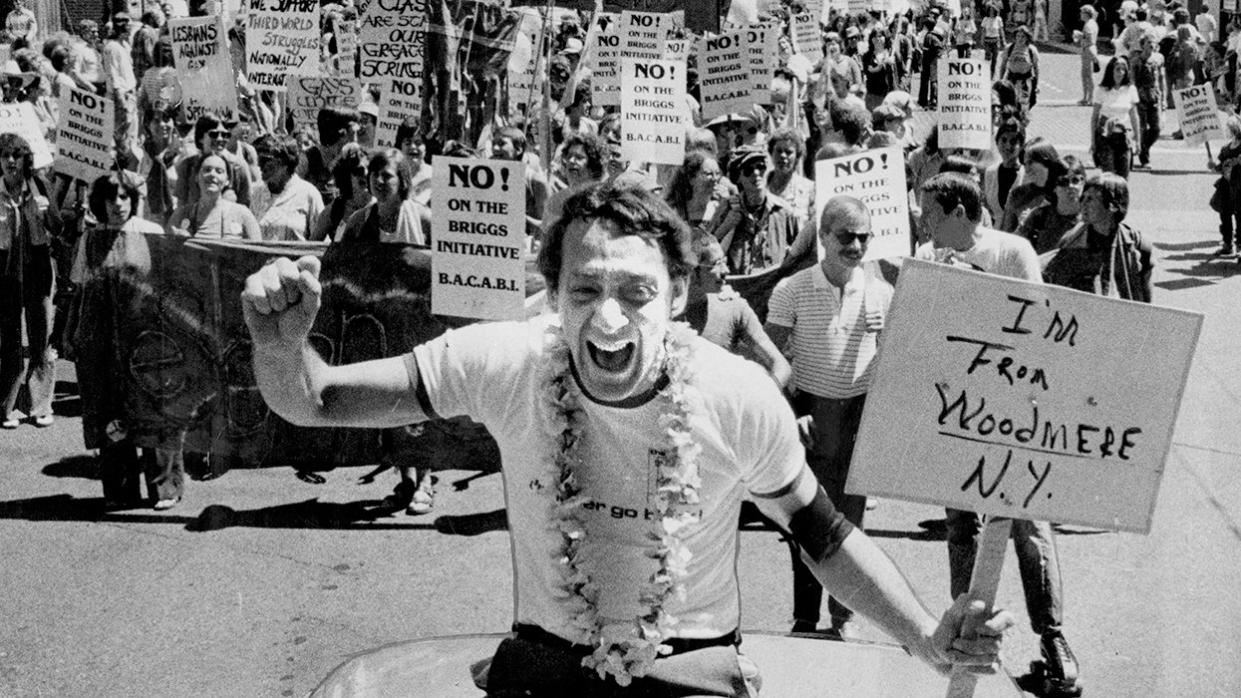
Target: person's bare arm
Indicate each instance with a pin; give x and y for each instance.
(280, 302)
(764, 350)
(858, 573)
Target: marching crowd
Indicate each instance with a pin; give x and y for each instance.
(745, 190)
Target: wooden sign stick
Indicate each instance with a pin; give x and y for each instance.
(985, 580)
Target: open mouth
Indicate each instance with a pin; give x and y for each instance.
(611, 360)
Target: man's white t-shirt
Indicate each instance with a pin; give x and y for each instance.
(494, 373)
(994, 252)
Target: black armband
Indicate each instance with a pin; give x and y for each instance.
(420, 387)
(819, 528)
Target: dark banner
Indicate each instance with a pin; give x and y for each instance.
(165, 353)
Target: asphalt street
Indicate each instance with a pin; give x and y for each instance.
(258, 584)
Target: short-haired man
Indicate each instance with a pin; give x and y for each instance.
(122, 81)
(827, 320)
(951, 214)
(1148, 77)
(602, 409)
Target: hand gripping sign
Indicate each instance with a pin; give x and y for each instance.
(1019, 400)
(478, 229)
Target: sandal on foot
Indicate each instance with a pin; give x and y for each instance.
(424, 501)
(167, 503)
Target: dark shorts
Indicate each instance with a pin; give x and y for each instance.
(534, 662)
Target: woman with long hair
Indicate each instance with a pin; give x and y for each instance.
(1039, 161)
(392, 216)
(695, 190)
(354, 193)
(992, 33)
(28, 223)
(214, 215)
(879, 68)
(1049, 221)
(1019, 66)
(1114, 121)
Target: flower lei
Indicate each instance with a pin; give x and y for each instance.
(628, 649)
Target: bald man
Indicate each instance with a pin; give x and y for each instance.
(827, 320)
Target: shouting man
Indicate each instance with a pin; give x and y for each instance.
(628, 443)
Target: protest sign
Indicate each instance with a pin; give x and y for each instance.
(653, 111)
(166, 352)
(764, 52)
(677, 49)
(1199, 116)
(643, 35)
(525, 63)
(200, 53)
(964, 103)
(282, 39)
(808, 37)
(400, 102)
(877, 177)
(478, 225)
(392, 40)
(85, 138)
(724, 79)
(605, 77)
(346, 47)
(21, 119)
(308, 94)
(1021, 400)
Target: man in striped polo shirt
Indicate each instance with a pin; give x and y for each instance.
(827, 320)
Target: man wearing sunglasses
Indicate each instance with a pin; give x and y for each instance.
(827, 320)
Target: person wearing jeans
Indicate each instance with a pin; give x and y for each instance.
(1148, 79)
(28, 223)
(1114, 121)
